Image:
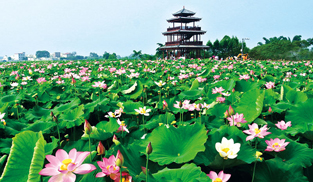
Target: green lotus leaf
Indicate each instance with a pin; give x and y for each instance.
(228, 85)
(175, 144)
(97, 134)
(295, 97)
(26, 158)
(195, 85)
(301, 114)
(45, 127)
(11, 99)
(73, 117)
(251, 105)
(64, 107)
(2, 162)
(297, 154)
(190, 94)
(244, 86)
(188, 172)
(134, 91)
(5, 145)
(210, 157)
(37, 113)
(130, 106)
(108, 126)
(281, 106)
(274, 170)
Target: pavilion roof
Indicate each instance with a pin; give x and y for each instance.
(185, 32)
(184, 19)
(184, 12)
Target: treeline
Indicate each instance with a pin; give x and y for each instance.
(228, 46)
(283, 48)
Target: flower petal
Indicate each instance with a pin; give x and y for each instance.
(49, 171)
(61, 155)
(84, 169)
(100, 175)
(56, 178)
(81, 157)
(69, 177)
(212, 175)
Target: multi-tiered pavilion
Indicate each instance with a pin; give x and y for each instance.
(184, 37)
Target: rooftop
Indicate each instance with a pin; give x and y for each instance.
(184, 12)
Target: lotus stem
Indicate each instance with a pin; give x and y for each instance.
(90, 149)
(121, 178)
(256, 144)
(59, 135)
(147, 170)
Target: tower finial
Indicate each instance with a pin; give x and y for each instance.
(183, 7)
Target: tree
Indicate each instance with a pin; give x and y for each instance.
(112, 56)
(159, 52)
(137, 55)
(93, 55)
(106, 55)
(42, 54)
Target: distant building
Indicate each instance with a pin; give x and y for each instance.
(67, 55)
(56, 55)
(19, 56)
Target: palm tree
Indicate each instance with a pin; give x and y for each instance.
(137, 54)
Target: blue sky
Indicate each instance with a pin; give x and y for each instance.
(122, 26)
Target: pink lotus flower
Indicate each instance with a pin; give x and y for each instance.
(254, 131)
(100, 85)
(108, 168)
(236, 120)
(62, 166)
(216, 77)
(194, 106)
(220, 99)
(217, 90)
(276, 145)
(41, 80)
(270, 85)
(85, 78)
(282, 125)
(125, 177)
(220, 177)
(122, 127)
(245, 77)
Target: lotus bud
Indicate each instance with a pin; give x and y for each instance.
(60, 79)
(252, 79)
(270, 110)
(17, 77)
(144, 170)
(87, 127)
(233, 90)
(165, 105)
(226, 114)
(119, 159)
(100, 149)
(231, 111)
(51, 114)
(73, 81)
(149, 149)
(115, 140)
(55, 119)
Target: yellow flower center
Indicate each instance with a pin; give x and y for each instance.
(160, 84)
(110, 166)
(65, 162)
(225, 150)
(218, 180)
(125, 180)
(257, 131)
(143, 111)
(276, 145)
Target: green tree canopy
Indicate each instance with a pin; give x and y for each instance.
(42, 54)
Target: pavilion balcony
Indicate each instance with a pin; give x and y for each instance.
(183, 28)
(184, 43)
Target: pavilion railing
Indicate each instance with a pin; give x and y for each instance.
(184, 43)
(183, 28)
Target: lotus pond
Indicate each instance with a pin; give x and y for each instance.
(158, 121)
